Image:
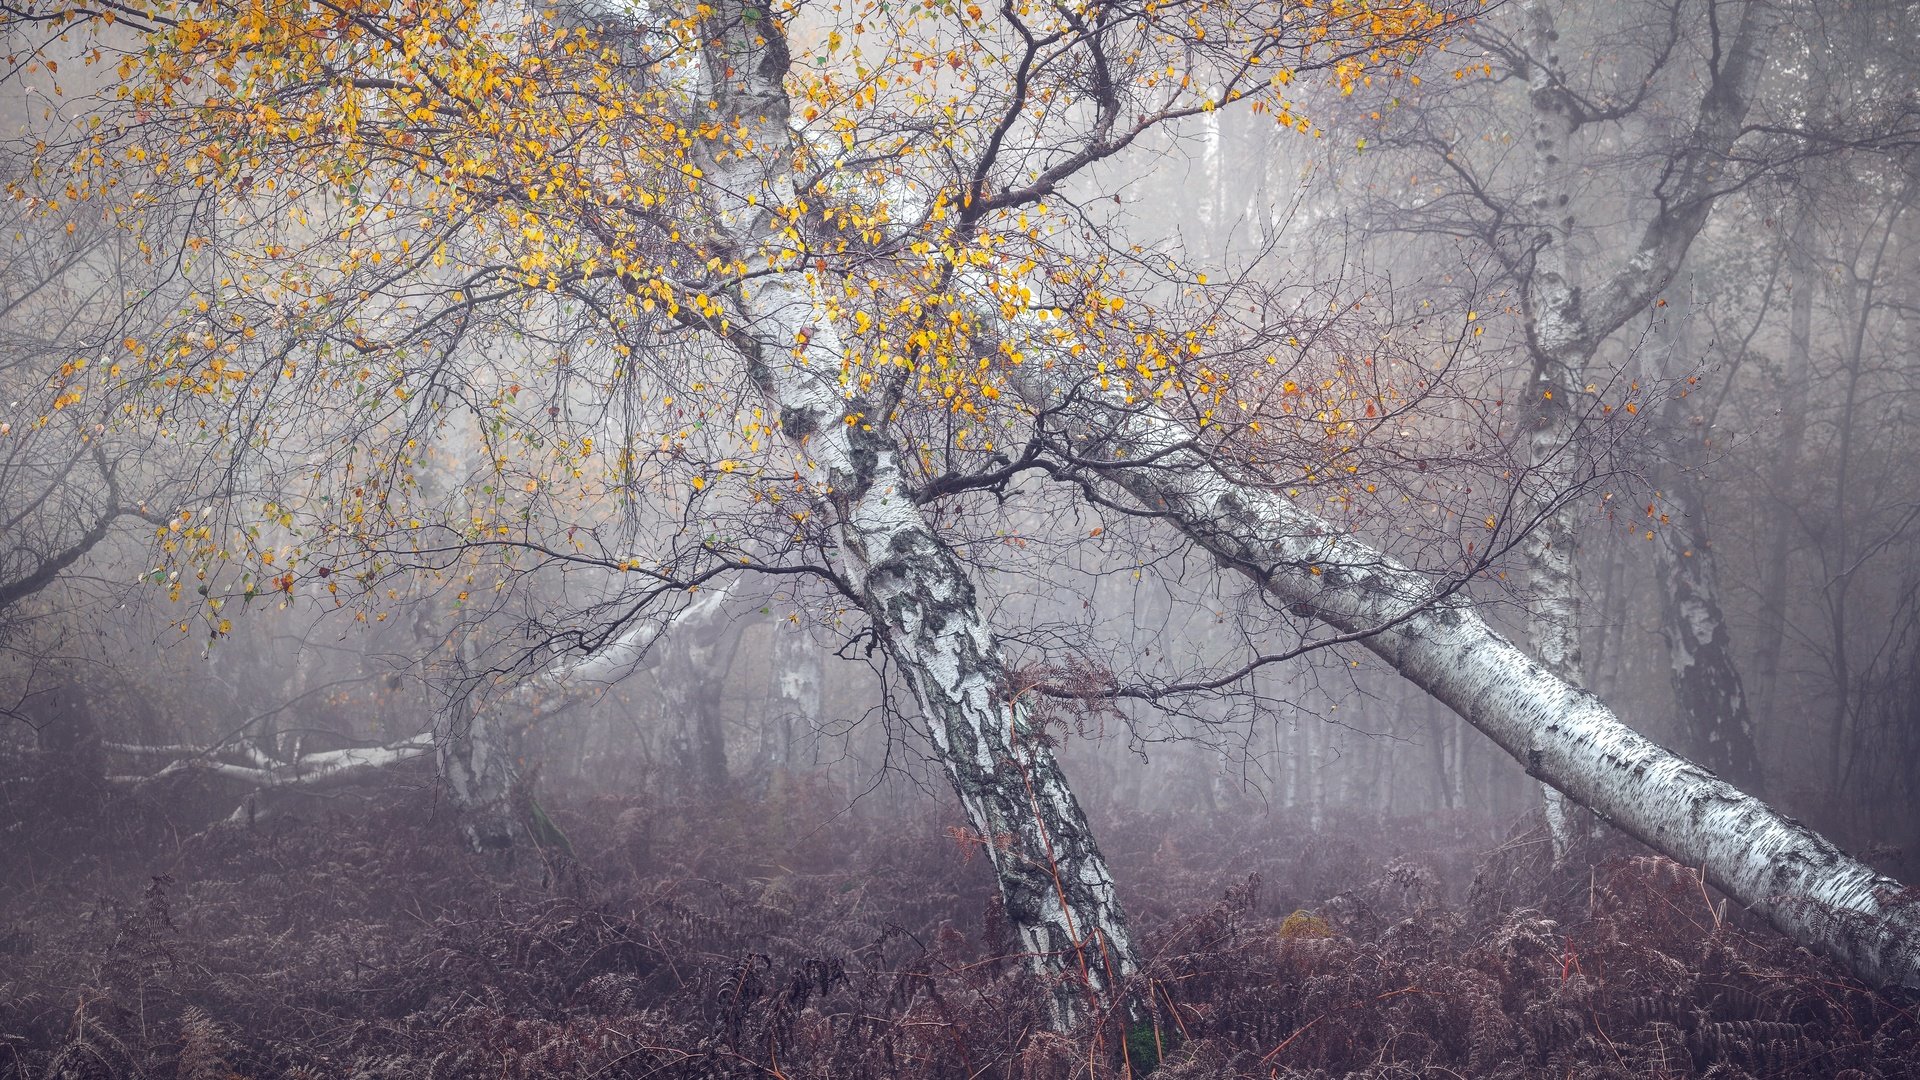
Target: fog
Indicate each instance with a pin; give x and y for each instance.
(393, 546)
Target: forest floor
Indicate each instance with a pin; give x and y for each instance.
(780, 937)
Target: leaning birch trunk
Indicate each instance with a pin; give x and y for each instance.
(1058, 893)
(1566, 737)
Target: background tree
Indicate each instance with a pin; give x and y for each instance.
(395, 207)
(667, 307)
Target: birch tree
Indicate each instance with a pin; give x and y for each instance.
(1629, 157)
(719, 292)
(1563, 735)
(412, 201)
(1567, 322)
(474, 741)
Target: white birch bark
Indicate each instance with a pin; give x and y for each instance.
(477, 741)
(319, 770)
(1052, 877)
(1564, 735)
(797, 694)
(475, 750)
(326, 770)
(630, 652)
(475, 753)
(1558, 347)
(1566, 325)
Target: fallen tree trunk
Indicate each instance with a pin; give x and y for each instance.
(1566, 737)
(475, 748)
(325, 770)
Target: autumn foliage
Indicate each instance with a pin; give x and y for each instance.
(436, 275)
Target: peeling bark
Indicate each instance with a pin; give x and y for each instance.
(1025, 819)
(1564, 735)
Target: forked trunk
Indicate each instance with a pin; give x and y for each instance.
(477, 737)
(475, 751)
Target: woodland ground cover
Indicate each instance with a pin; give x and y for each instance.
(516, 335)
(778, 934)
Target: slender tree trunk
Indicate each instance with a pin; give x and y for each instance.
(1563, 735)
(1837, 545)
(797, 680)
(1604, 658)
(1560, 355)
(1566, 323)
(1211, 186)
(1317, 733)
(1437, 759)
(1057, 891)
(710, 735)
(1787, 452)
(475, 745)
(695, 689)
(477, 739)
(1706, 681)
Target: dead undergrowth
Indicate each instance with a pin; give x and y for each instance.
(776, 938)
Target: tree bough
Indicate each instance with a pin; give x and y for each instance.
(1565, 736)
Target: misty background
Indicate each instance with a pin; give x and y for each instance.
(1774, 378)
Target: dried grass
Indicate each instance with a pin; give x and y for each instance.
(746, 939)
